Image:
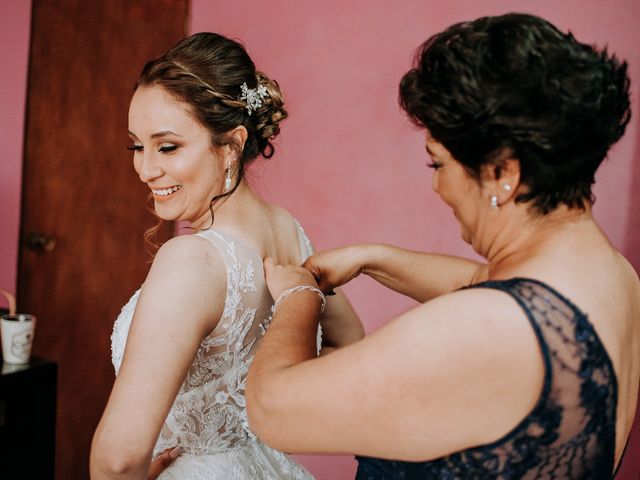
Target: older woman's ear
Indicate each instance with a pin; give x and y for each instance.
(502, 178)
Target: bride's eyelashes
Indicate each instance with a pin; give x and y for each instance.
(167, 148)
(161, 149)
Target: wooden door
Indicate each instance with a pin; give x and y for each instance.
(80, 190)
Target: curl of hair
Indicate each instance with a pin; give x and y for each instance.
(269, 115)
(515, 86)
(150, 234)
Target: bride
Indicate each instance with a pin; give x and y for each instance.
(183, 344)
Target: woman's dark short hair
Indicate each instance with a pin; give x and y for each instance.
(514, 86)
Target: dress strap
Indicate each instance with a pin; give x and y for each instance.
(519, 290)
(306, 249)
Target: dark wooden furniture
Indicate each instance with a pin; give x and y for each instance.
(28, 420)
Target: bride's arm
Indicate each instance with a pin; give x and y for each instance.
(340, 324)
(181, 302)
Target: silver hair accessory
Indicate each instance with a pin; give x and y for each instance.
(494, 201)
(253, 96)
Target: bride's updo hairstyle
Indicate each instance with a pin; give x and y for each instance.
(218, 79)
(514, 86)
(207, 71)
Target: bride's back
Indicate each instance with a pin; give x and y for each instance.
(208, 417)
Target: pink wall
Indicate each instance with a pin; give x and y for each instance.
(350, 167)
(14, 52)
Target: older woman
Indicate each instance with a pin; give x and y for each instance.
(526, 366)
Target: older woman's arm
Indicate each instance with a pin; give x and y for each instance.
(411, 390)
(421, 276)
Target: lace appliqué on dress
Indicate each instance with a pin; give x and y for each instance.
(208, 418)
(121, 330)
(570, 434)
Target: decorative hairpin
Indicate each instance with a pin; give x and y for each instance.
(253, 96)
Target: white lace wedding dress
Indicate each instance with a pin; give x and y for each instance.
(208, 418)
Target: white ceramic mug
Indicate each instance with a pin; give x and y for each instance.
(17, 333)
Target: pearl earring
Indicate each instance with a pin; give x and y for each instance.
(494, 201)
(227, 180)
(507, 187)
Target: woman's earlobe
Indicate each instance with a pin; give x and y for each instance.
(507, 175)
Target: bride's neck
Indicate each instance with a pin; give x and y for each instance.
(231, 209)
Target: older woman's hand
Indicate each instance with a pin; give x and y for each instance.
(281, 277)
(333, 268)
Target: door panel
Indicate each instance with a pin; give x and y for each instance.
(80, 193)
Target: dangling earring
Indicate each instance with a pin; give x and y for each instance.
(227, 180)
(494, 201)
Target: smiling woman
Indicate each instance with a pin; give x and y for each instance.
(182, 345)
(183, 170)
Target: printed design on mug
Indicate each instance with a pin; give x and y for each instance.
(21, 344)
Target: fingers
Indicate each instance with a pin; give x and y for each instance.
(314, 270)
(162, 461)
(268, 264)
(175, 453)
(281, 277)
(271, 266)
(318, 275)
(324, 285)
(312, 267)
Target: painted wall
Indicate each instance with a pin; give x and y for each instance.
(14, 53)
(347, 163)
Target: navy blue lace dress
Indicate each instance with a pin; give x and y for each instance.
(569, 434)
